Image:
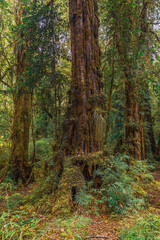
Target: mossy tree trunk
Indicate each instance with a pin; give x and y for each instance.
(133, 136)
(85, 93)
(132, 129)
(132, 50)
(84, 125)
(20, 136)
(22, 99)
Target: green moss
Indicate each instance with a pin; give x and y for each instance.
(90, 4)
(73, 178)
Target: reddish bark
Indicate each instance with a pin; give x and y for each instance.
(85, 94)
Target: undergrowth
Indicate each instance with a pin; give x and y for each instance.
(145, 227)
(122, 188)
(121, 191)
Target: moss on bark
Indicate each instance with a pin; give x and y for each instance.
(78, 171)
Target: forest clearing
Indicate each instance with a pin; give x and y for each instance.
(79, 119)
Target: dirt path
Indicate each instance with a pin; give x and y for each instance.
(103, 227)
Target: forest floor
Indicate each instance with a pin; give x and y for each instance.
(35, 225)
(111, 229)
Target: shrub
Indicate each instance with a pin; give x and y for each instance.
(145, 227)
(122, 184)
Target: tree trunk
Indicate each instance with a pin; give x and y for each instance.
(83, 127)
(22, 110)
(83, 114)
(20, 136)
(132, 129)
(151, 144)
(130, 46)
(133, 136)
(158, 149)
(109, 107)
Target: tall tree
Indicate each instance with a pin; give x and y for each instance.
(83, 125)
(132, 42)
(84, 130)
(22, 99)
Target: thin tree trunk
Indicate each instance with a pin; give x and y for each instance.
(132, 129)
(54, 76)
(158, 150)
(110, 96)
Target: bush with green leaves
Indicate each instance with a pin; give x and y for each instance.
(145, 227)
(122, 183)
(16, 200)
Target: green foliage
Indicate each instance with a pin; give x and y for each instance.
(42, 148)
(73, 227)
(145, 227)
(24, 225)
(48, 72)
(18, 226)
(83, 198)
(122, 184)
(7, 185)
(16, 200)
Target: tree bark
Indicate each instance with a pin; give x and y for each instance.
(20, 136)
(158, 149)
(149, 125)
(130, 46)
(132, 129)
(22, 109)
(85, 96)
(83, 129)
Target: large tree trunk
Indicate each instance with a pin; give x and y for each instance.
(22, 110)
(85, 97)
(83, 127)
